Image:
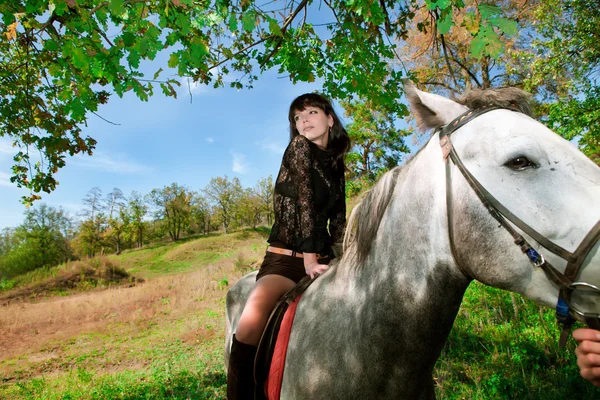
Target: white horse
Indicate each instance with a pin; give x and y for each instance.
(373, 326)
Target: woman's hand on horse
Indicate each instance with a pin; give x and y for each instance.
(588, 354)
(312, 266)
(316, 269)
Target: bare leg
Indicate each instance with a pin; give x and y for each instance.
(262, 300)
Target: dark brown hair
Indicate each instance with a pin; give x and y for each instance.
(339, 141)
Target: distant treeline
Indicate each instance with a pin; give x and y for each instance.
(114, 222)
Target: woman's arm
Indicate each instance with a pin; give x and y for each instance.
(588, 354)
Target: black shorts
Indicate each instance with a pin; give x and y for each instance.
(288, 266)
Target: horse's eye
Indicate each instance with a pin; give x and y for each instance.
(520, 163)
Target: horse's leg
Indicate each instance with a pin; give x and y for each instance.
(263, 298)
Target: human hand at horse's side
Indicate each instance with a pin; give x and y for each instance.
(588, 354)
(312, 266)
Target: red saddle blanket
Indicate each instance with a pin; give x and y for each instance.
(275, 377)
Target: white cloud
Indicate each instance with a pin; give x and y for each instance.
(5, 180)
(239, 163)
(6, 147)
(272, 145)
(209, 140)
(105, 162)
(7, 151)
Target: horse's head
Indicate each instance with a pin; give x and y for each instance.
(534, 173)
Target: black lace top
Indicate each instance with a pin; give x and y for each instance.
(308, 194)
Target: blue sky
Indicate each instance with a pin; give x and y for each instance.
(186, 140)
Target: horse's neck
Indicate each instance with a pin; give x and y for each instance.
(412, 242)
(410, 272)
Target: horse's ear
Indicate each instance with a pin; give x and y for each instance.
(431, 110)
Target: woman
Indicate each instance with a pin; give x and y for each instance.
(309, 195)
(588, 354)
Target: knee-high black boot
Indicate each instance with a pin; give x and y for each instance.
(240, 374)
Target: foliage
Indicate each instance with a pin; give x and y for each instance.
(354, 187)
(174, 206)
(6, 284)
(91, 232)
(552, 50)
(62, 59)
(468, 56)
(377, 145)
(42, 240)
(571, 61)
(504, 346)
(249, 208)
(7, 241)
(224, 194)
(136, 211)
(264, 189)
(49, 236)
(579, 118)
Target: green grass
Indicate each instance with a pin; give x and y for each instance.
(501, 346)
(175, 353)
(184, 256)
(181, 376)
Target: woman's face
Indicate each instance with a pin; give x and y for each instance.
(314, 124)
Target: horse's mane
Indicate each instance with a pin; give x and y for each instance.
(507, 97)
(366, 216)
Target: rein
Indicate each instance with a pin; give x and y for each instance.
(565, 281)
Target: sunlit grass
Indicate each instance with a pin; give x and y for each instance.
(503, 346)
(164, 338)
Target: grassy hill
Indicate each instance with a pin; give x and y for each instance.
(158, 332)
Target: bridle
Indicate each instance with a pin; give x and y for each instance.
(565, 312)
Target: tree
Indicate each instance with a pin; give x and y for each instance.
(201, 215)
(377, 145)
(174, 206)
(225, 195)
(249, 208)
(452, 61)
(578, 117)
(264, 189)
(114, 201)
(93, 203)
(118, 228)
(90, 239)
(49, 228)
(552, 51)
(41, 241)
(61, 59)
(7, 241)
(570, 45)
(95, 223)
(137, 210)
(118, 220)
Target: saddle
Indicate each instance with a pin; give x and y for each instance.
(268, 342)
